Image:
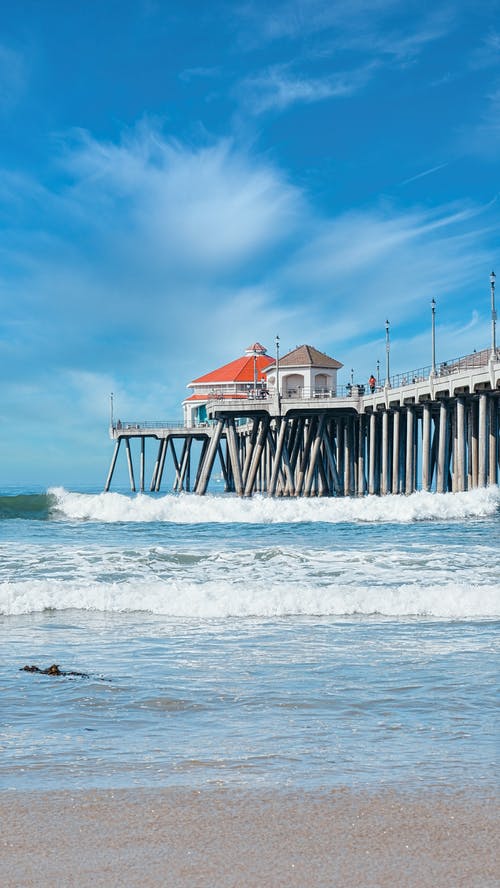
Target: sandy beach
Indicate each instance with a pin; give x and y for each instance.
(221, 838)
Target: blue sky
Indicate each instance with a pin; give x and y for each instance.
(181, 179)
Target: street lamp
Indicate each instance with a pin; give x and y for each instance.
(378, 373)
(433, 310)
(277, 343)
(493, 317)
(111, 410)
(387, 353)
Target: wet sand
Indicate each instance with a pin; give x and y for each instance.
(216, 838)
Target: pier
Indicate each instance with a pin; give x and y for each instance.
(436, 428)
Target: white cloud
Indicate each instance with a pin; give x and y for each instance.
(487, 54)
(296, 19)
(278, 88)
(208, 207)
(367, 35)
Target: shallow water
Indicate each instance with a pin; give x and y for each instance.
(248, 642)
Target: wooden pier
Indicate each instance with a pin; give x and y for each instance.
(434, 431)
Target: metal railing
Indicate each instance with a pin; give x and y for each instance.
(125, 426)
(445, 368)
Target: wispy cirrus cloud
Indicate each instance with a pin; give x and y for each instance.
(364, 266)
(296, 19)
(279, 87)
(339, 49)
(487, 54)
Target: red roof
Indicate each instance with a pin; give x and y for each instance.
(240, 370)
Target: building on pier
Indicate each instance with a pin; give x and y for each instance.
(237, 380)
(304, 372)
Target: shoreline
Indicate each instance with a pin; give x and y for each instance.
(220, 837)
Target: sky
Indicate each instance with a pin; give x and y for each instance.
(180, 179)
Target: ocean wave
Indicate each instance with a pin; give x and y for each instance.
(225, 598)
(27, 505)
(192, 509)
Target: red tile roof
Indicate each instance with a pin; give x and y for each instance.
(240, 370)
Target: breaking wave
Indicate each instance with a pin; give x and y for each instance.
(191, 509)
(221, 599)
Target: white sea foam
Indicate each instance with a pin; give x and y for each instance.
(226, 598)
(191, 509)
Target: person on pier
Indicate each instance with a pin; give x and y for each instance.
(372, 382)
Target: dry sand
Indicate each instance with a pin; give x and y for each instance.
(216, 838)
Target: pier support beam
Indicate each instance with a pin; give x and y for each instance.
(385, 453)
(481, 474)
(256, 456)
(112, 466)
(426, 446)
(492, 441)
(161, 464)
(459, 468)
(395, 451)
(130, 466)
(209, 459)
(234, 456)
(442, 449)
(372, 445)
(410, 457)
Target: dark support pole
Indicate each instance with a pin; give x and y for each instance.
(155, 470)
(209, 458)
(277, 456)
(204, 448)
(113, 464)
(257, 453)
(142, 463)
(234, 456)
(186, 450)
(130, 466)
(161, 465)
(225, 473)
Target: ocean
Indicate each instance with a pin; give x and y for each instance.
(311, 643)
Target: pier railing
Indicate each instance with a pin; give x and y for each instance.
(445, 368)
(126, 425)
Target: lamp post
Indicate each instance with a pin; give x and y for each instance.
(111, 410)
(277, 343)
(433, 330)
(378, 373)
(387, 353)
(493, 317)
